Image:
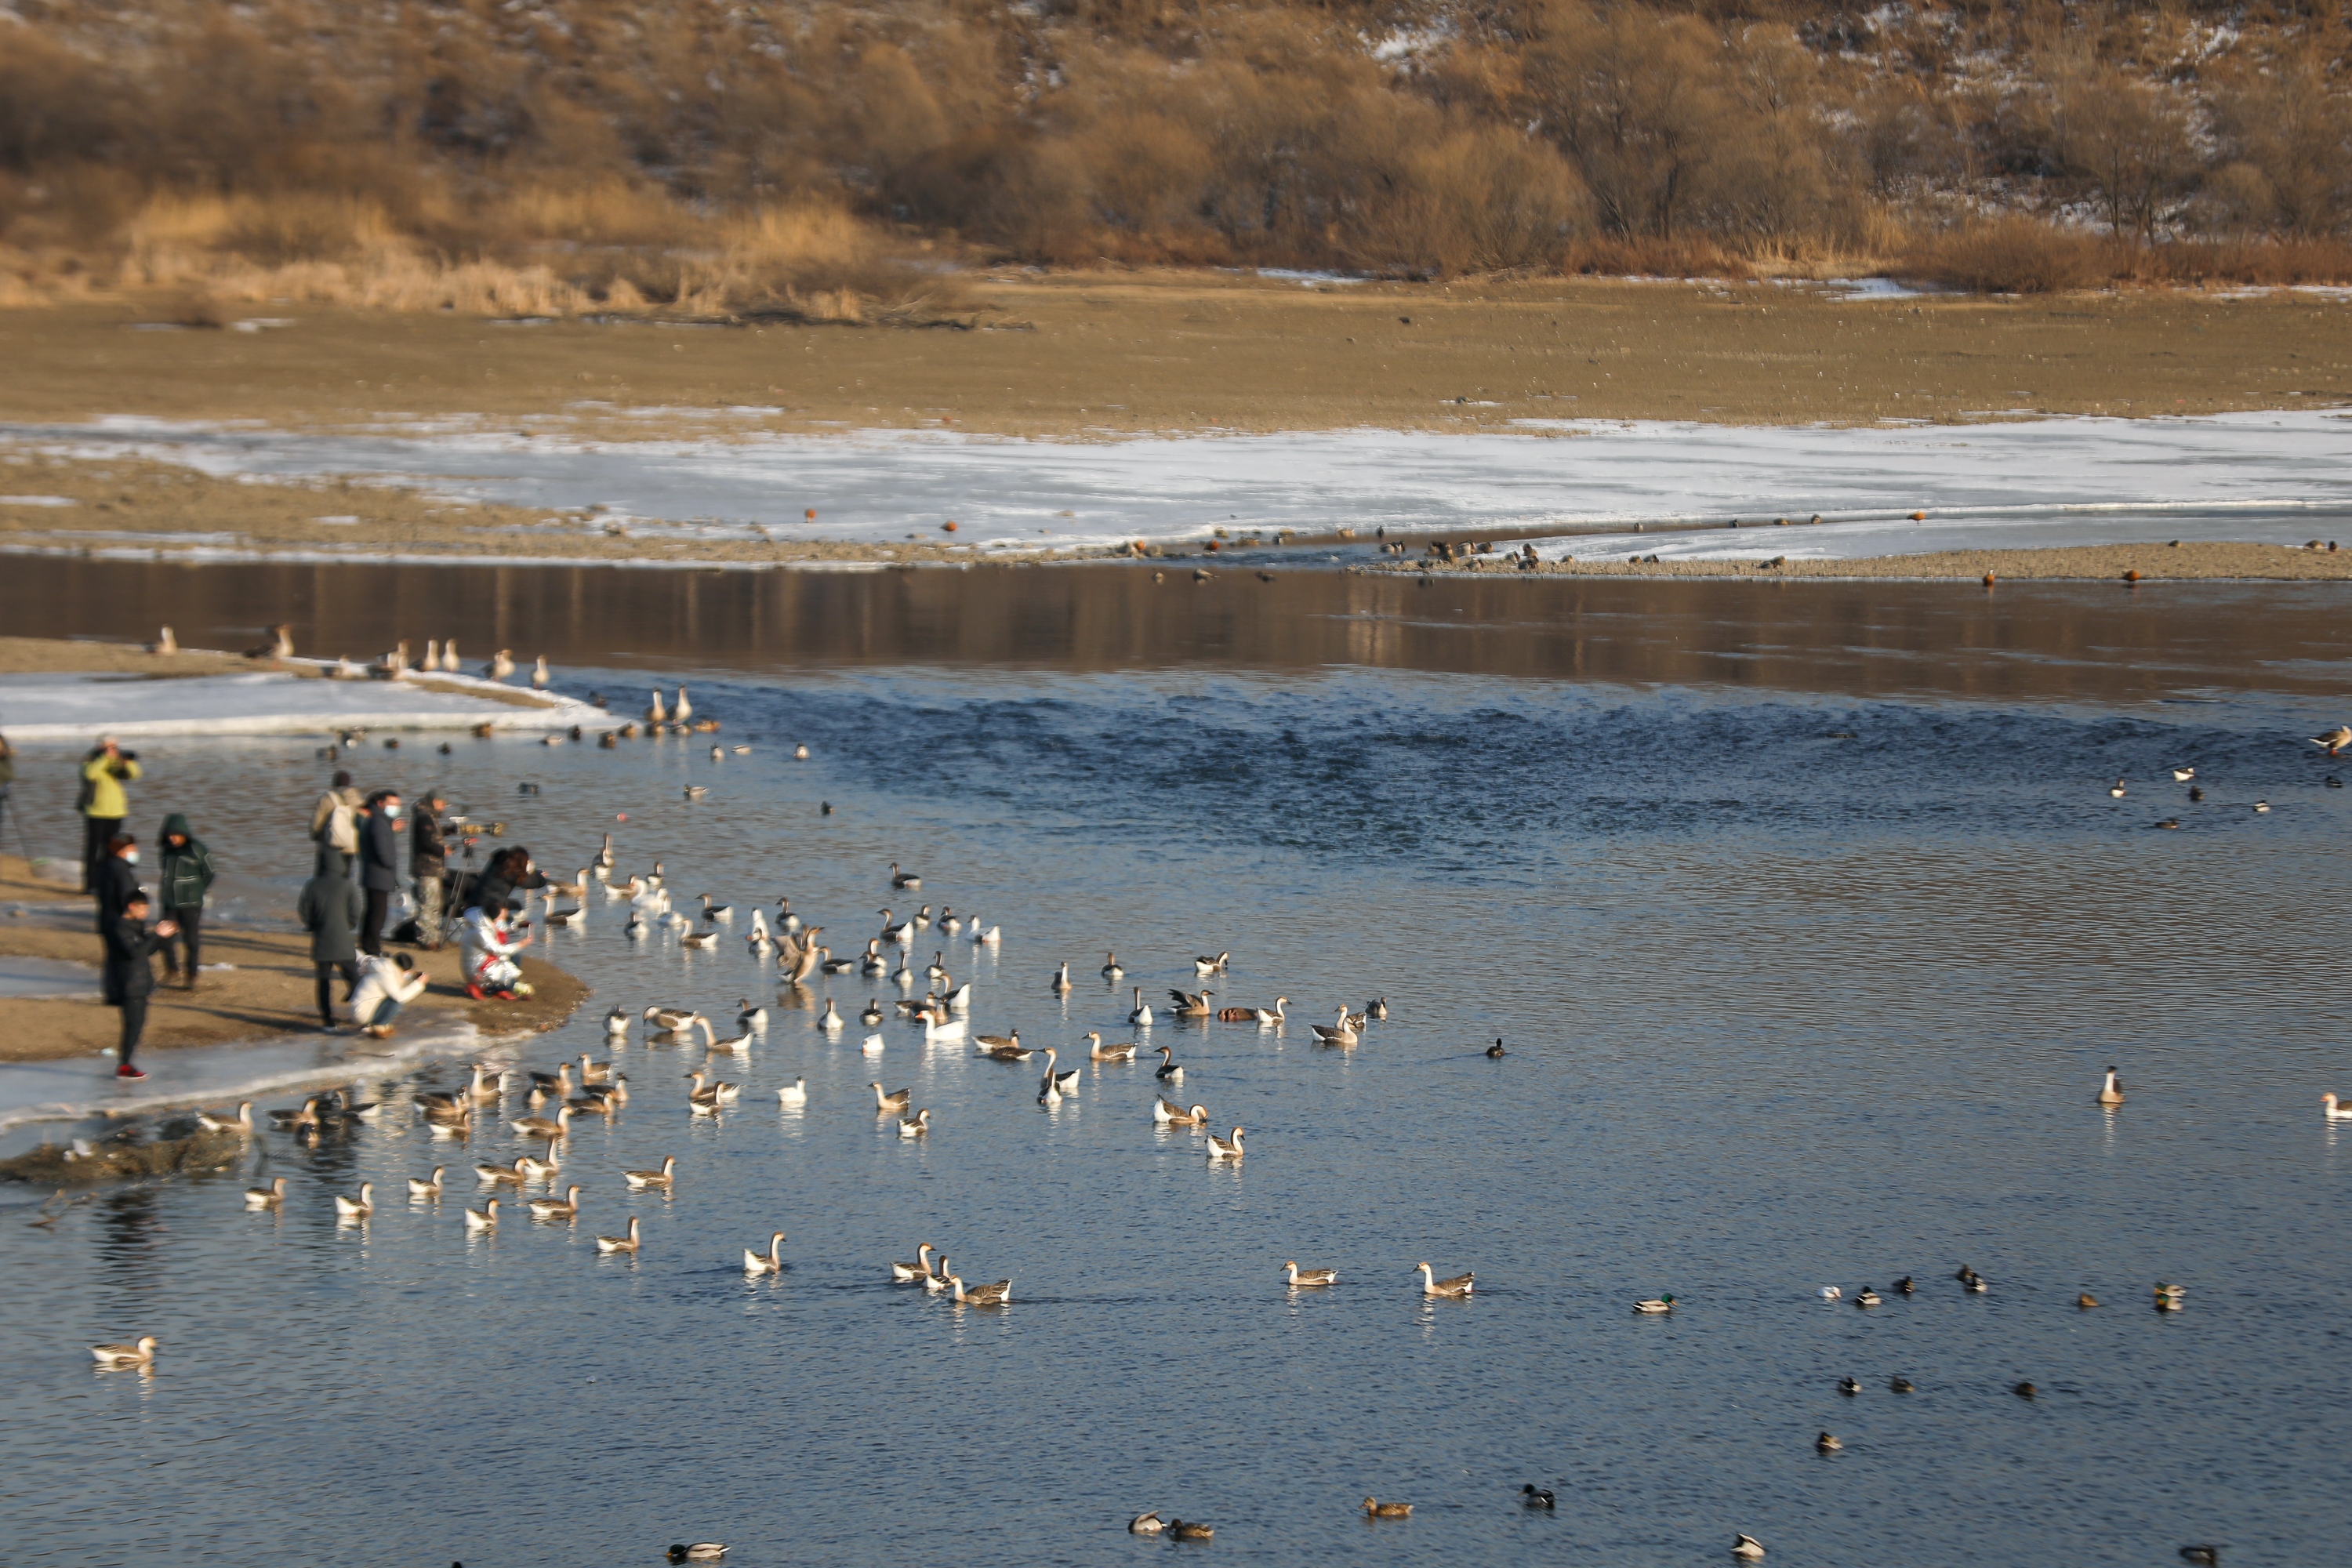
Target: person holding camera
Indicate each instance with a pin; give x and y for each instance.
(428, 862)
(103, 805)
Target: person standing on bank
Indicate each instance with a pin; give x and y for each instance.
(181, 881)
(102, 803)
(130, 975)
(115, 881)
(379, 865)
(428, 862)
(329, 910)
(334, 821)
(7, 779)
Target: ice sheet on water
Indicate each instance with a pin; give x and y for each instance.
(1008, 495)
(73, 706)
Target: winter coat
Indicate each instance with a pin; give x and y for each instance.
(130, 945)
(113, 885)
(379, 852)
(333, 823)
(185, 874)
(428, 851)
(102, 786)
(493, 891)
(331, 909)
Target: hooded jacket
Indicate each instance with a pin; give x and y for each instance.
(183, 875)
(331, 909)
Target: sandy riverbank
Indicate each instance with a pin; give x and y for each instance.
(2154, 563)
(267, 993)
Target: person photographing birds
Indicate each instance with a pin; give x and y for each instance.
(130, 974)
(103, 805)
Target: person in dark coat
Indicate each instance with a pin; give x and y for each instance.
(114, 879)
(181, 881)
(130, 974)
(331, 909)
(379, 866)
(428, 862)
(510, 872)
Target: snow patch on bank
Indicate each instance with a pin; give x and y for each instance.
(2049, 481)
(75, 707)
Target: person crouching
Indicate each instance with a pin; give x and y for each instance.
(130, 975)
(486, 951)
(386, 986)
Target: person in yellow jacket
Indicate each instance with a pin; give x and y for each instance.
(103, 805)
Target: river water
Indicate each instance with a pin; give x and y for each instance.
(1805, 915)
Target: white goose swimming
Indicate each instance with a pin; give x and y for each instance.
(997, 1295)
(1068, 1082)
(1140, 1016)
(1295, 1276)
(908, 1273)
(794, 1093)
(887, 1104)
(617, 1023)
(358, 1207)
(565, 1207)
(483, 1218)
(831, 1021)
(1225, 1148)
(608, 1245)
(1164, 1110)
(540, 1127)
(1339, 1034)
(428, 1186)
(946, 1029)
(1097, 1051)
(772, 1262)
(2334, 1112)
(141, 1353)
(2111, 1092)
(665, 1176)
(1459, 1286)
(268, 1197)
(917, 1125)
(1169, 1070)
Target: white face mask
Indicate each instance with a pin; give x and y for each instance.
(130, 857)
(392, 811)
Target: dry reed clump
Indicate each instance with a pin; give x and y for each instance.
(2012, 256)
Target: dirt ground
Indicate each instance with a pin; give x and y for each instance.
(1076, 353)
(269, 992)
(2154, 563)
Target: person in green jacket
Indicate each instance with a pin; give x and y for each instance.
(103, 804)
(181, 881)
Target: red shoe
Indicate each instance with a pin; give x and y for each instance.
(506, 997)
(475, 991)
(127, 1070)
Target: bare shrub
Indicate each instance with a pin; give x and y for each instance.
(2010, 256)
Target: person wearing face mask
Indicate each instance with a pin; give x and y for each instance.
(379, 866)
(115, 880)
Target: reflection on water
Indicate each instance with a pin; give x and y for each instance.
(1801, 986)
(2096, 642)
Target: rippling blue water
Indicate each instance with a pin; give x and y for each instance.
(1798, 992)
